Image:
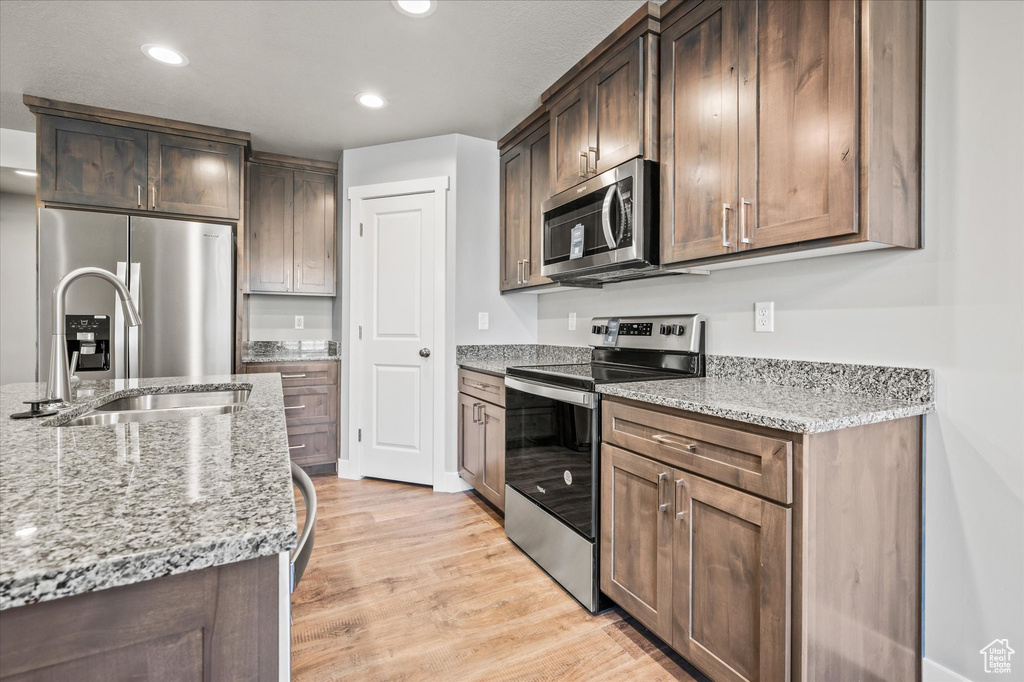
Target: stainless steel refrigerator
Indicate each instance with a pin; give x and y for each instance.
(180, 273)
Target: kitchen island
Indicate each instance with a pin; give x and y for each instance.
(146, 548)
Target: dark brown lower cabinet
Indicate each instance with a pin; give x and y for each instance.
(482, 443)
(311, 392)
(219, 623)
(749, 587)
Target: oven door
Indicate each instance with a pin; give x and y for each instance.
(602, 224)
(552, 450)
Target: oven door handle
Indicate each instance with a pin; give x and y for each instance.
(565, 395)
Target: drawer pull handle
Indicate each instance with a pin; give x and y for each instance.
(665, 440)
(293, 376)
(294, 407)
(680, 515)
(482, 387)
(296, 447)
(662, 506)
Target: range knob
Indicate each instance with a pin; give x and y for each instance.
(595, 329)
(678, 329)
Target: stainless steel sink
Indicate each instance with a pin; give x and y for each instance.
(163, 406)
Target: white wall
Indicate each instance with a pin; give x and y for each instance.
(272, 318)
(472, 249)
(17, 288)
(957, 306)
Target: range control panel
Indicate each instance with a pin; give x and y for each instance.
(670, 332)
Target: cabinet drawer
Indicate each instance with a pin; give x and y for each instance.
(295, 374)
(310, 405)
(750, 461)
(484, 386)
(312, 445)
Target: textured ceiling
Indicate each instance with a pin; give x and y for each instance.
(288, 72)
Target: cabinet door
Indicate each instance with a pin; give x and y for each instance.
(731, 583)
(492, 478)
(515, 214)
(92, 164)
(194, 177)
(699, 175)
(271, 193)
(471, 440)
(616, 122)
(570, 138)
(315, 233)
(798, 121)
(636, 537)
(539, 145)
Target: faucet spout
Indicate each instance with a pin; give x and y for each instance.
(58, 385)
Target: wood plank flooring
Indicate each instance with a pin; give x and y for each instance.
(408, 584)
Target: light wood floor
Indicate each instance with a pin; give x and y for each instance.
(406, 584)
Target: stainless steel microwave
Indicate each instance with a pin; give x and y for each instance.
(605, 229)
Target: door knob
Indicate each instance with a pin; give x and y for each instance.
(424, 352)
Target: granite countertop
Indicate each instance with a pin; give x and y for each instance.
(787, 408)
(791, 395)
(496, 359)
(92, 507)
(291, 351)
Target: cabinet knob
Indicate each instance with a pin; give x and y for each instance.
(424, 352)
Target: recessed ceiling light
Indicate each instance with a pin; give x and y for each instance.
(371, 101)
(28, 173)
(415, 8)
(164, 55)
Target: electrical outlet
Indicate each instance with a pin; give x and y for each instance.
(483, 321)
(764, 317)
(572, 322)
(300, 322)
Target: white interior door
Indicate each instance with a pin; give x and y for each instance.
(393, 302)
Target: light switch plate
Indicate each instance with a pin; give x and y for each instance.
(764, 316)
(300, 322)
(483, 321)
(572, 322)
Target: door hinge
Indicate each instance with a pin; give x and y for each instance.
(359, 435)
(360, 332)
(360, 229)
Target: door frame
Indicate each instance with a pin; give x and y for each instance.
(438, 186)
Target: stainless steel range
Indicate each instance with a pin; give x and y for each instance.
(553, 440)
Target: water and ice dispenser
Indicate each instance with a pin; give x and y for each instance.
(89, 335)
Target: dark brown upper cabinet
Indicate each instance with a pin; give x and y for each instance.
(103, 158)
(602, 121)
(292, 226)
(785, 123)
(194, 177)
(524, 183)
(92, 164)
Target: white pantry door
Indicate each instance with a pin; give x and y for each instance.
(395, 294)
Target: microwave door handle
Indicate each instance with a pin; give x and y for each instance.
(606, 216)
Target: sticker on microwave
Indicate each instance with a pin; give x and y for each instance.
(576, 245)
(567, 477)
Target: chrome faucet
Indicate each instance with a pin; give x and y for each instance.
(58, 386)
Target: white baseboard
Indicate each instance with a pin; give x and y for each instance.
(933, 672)
(347, 470)
(451, 483)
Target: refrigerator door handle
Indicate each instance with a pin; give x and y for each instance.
(120, 365)
(134, 347)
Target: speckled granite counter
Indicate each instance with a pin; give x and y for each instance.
(791, 395)
(93, 507)
(291, 351)
(495, 359)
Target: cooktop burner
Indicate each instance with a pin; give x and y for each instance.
(649, 348)
(590, 374)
